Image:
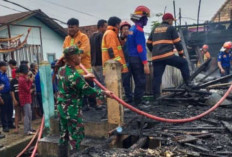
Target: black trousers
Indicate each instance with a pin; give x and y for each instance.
(90, 100)
(126, 81)
(7, 110)
(159, 67)
(40, 102)
(137, 71)
(227, 71)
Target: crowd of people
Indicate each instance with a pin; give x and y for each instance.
(119, 41)
(115, 40)
(20, 96)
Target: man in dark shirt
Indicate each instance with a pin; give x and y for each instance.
(15, 97)
(96, 52)
(96, 59)
(7, 107)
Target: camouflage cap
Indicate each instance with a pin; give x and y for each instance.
(72, 50)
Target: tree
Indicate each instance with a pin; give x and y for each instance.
(156, 23)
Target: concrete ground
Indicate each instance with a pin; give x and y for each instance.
(12, 143)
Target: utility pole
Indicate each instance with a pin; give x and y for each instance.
(180, 16)
(198, 14)
(174, 9)
(165, 8)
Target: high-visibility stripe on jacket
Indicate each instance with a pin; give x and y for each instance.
(112, 49)
(81, 40)
(162, 40)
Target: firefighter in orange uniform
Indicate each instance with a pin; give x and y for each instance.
(81, 40)
(111, 47)
(205, 52)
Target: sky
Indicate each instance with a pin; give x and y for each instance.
(90, 11)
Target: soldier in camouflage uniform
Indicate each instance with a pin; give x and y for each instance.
(72, 88)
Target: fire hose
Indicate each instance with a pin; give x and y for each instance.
(154, 117)
(39, 137)
(161, 119)
(39, 133)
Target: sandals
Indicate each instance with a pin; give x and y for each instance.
(30, 133)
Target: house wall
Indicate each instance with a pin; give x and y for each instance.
(88, 30)
(224, 13)
(51, 41)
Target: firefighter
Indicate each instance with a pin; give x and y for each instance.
(224, 59)
(126, 77)
(205, 52)
(206, 56)
(111, 46)
(137, 52)
(161, 43)
(77, 38)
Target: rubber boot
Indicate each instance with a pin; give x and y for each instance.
(63, 150)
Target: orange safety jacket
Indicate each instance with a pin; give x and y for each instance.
(81, 40)
(112, 49)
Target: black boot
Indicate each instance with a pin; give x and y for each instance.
(63, 150)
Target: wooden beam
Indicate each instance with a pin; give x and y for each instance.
(186, 50)
(227, 125)
(139, 143)
(197, 147)
(112, 72)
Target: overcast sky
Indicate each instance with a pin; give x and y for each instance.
(90, 11)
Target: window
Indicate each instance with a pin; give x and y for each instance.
(51, 57)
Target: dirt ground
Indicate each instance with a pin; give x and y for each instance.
(12, 137)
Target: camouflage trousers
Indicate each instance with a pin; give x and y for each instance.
(72, 131)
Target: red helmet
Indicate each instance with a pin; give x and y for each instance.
(227, 45)
(205, 47)
(124, 23)
(168, 16)
(142, 11)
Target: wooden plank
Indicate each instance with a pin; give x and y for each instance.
(197, 147)
(112, 71)
(190, 153)
(224, 78)
(185, 138)
(140, 143)
(227, 125)
(224, 153)
(197, 128)
(185, 50)
(219, 85)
